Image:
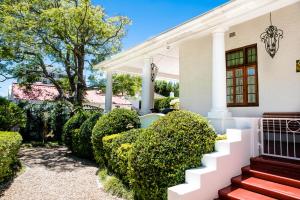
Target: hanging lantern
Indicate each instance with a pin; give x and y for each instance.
(154, 71)
(271, 38)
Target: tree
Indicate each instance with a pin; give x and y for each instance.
(40, 37)
(164, 88)
(125, 84)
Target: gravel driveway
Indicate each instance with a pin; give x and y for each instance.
(54, 174)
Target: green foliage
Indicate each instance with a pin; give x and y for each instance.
(10, 143)
(117, 121)
(82, 144)
(71, 125)
(160, 104)
(125, 84)
(221, 137)
(44, 121)
(40, 37)
(114, 186)
(59, 115)
(165, 88)
(162, 153)
(117, 148)
(11, 115)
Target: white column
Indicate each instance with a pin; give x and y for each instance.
(147, 87)
(219, 104)
(108, 92)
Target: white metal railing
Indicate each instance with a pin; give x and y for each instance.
(280, 137)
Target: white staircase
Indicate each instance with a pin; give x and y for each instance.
(217, 168)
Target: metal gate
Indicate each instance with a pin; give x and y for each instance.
(280, 137)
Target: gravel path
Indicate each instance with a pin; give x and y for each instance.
(53, 174)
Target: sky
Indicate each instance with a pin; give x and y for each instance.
(149, 18)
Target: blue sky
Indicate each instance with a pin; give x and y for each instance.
(149, 18)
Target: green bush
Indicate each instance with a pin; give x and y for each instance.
(11, 116)
(117, 148)
(161, 154)
(160, 104)
(117, 121)
(10, 143)
(72, 124)
(82, 144)
(45, 121)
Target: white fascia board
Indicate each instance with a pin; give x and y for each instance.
(231, 13)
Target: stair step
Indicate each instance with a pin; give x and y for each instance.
(266, 188)
(234, 193)
(270, 177)
(277, 166)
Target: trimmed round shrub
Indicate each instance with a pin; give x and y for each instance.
(161, 154)
(117, 148)
(116, 121)
(73, 123)
(82, 144)
(10, 143)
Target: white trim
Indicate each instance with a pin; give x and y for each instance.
(232, 13)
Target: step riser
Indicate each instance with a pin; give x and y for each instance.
(265, 178)
(276, 179)
(276, 170)
(281, 168)
(262, 191)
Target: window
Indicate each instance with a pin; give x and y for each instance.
(242, 79)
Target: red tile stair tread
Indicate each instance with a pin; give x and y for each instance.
(267, 187)
(243, 194)
(271, 177)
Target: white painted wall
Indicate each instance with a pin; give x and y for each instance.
(217, 168)
(279, 84)
(195, 75)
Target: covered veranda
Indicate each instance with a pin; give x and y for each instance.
(162, 63)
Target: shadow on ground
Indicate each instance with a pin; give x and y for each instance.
(57, 159)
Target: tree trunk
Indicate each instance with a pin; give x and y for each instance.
(81, 86)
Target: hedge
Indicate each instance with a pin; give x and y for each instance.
(161, 154)
(160, 104)
(73, 123)
(82, 144)
(117, 148)
(116, 121)
(10, 143)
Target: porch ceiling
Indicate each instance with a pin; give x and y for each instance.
(167, 61)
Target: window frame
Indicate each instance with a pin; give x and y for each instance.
(245, 67)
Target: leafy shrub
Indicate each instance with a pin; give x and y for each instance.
(72, 124)
(59, 115)
(160, 104)
(10, 143)
(117, 121)
(161, 154)
(82, 144)
(221, 137)
(117, 149)
(11, 116)
(44, 121)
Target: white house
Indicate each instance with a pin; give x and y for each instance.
(234, 63)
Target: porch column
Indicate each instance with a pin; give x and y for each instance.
(108, 92)
(219, 105)
(147, 87)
